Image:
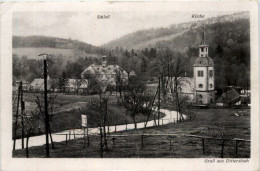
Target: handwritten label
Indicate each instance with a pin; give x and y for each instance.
(103, 16)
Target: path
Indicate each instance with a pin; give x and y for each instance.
(170, 117)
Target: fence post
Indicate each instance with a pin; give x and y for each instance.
(222, 148)
(236, 147)
(203, 147)
(115, 128)
(126, 126)
(84, 138)
(66, 139)
(170, 143)
(113, 139)
(142, 137)
(88, 140)
(74, 134)
(69, 135)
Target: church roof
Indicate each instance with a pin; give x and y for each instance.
(203, 61)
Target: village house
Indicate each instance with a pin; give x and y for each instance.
(38, 84)
(76, 85)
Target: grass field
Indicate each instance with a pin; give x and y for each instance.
(159, 146)
(66, 115)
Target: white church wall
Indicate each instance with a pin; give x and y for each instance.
(211, 78)
(200, 80)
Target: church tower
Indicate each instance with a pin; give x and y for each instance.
(203, 74)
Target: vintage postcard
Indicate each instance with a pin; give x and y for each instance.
(129, 85)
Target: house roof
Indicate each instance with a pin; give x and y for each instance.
(37, 83)
(230, 96)
(203, 61)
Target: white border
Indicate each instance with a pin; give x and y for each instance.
(9, 163)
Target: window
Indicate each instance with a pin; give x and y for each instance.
(210, 73)
(202, 49)
(200, 85)
(206, 49)
(210, 85)
(200, 73)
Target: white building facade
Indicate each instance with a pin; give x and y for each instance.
(203, 74)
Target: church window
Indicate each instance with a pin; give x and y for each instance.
(200, 73)
(211, 73)
(200, 85)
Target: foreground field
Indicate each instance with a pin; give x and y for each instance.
(159, 146)
(67, 116)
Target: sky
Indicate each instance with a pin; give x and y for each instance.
(86, 27)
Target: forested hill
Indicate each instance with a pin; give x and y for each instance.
(54, 42)
(180, 36)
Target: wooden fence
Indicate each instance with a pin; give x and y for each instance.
(114, 137)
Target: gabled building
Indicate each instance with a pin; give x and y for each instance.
(38, 84)
(106, 73)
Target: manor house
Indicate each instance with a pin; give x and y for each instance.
(106, 73)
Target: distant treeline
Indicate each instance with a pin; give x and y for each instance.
(53, 42)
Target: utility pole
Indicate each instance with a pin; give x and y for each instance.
(159, 100)
(47, 122)
(22, 112)
(16, 116)
(46, 109)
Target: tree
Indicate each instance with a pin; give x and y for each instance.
(97, 110)
(135, 100)
(153, 52)
(127, 53)
(177, 83)
(51, 109)
(119, 81)
(77, 84)
(63, 81)
(54, 83)
(30, 124)
(137, 103)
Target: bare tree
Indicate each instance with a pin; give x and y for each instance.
(137, 103)
(51, 109)
(77, 84)
(31, 123)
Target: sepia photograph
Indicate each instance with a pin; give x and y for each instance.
(118, 83)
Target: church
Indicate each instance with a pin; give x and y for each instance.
(200, 89)
(203, 75)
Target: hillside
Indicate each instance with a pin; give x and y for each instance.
(180, 36)
(66, 54)
(31, 46)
